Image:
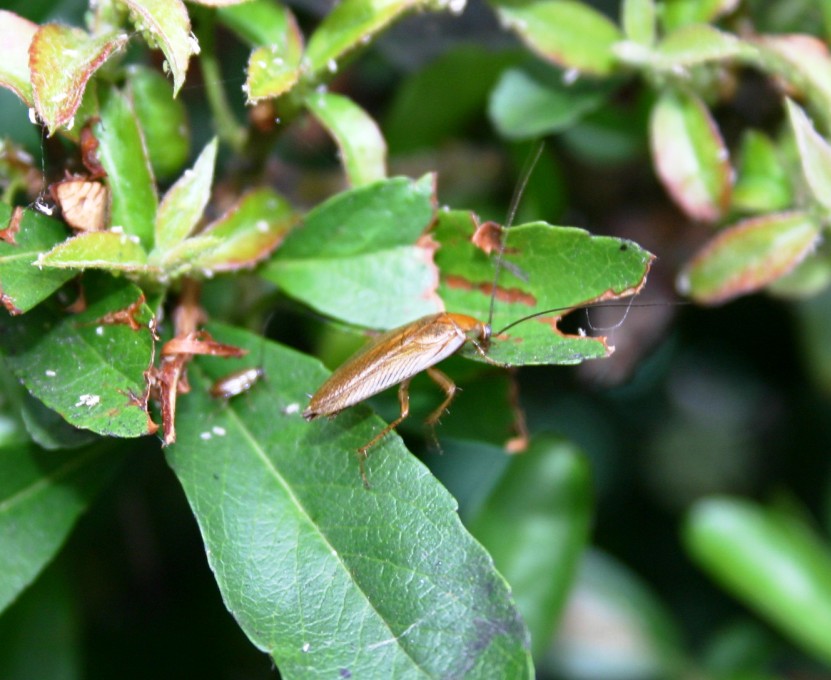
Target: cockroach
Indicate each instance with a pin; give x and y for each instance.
(395, 357)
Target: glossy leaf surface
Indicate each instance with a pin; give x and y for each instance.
(320, 572)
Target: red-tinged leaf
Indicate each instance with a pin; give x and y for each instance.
(61, 60)
(183, 205)
(748, 256)
(123, 154)
(804, 63)
(98, 250)
(22, 240)
(814, 153)
(690, 156)
(167, 24)
(362, 148)
(349, 25)
(247, 233)
(570, 34)
(16, 35)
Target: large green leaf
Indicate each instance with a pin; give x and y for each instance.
(355, 257)
(546, 268)
(325, 575)
(42, 494)
(89, 367)
(23, 285)
(535, 524)
(772, 561)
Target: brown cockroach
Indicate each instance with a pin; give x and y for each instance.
(398, 355)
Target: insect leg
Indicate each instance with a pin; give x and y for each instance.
(449, 388)
(404, 402)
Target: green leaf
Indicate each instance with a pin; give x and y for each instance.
(690, 156)
(45, 616)
(259, 22)
(348, 26)
(355, 257)
(22, 286)
(771, 561)
(183, 204)
(571, 34)
(61, 60)
(320, 572)
(809, 278)
(638, 20)
(163, 120)
(165, 24)
(362, 148)
(748, 256)
(272, 71)
(442, 99)
(534, 101)
(89, 367)
(122, 152)
(275, 64)
(814, 153)
(535, 525)
(678, 13)
(609, 598)
(110, 250)
(696, 44)
(42, 494)
(762, 180)
(546, 268)
(247, 233)
(16, 35)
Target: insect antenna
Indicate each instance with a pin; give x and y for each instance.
(600, 305)
(530, 164)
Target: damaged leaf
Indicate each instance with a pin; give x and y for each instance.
(88, 370)
(545, 267)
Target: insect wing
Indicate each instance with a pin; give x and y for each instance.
(390, 359)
